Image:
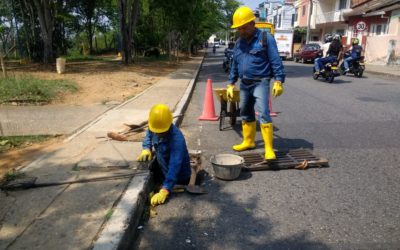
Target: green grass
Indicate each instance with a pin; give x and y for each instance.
(10, 142)
(12, 175)
(75, 57)
(27, 89)
(109, 214)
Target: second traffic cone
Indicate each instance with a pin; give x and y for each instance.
(208, 105)
(271, 113)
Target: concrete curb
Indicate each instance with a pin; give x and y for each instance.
(183, 103)
(385, 74)
(120, 231)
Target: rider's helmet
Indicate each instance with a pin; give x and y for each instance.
(231, 45)
(328, 38)
(337, 37)
(242, 16)
(355, 41)
(160, 118)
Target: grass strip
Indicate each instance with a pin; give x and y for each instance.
(28, 89)
(11, 142)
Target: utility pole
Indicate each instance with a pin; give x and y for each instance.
(310, 6)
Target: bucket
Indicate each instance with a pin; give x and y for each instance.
(60, 63)
(227, 166)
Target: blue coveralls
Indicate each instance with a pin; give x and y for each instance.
(172, 155)
(255, 63)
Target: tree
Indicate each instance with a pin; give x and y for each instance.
(129, 13)
(46, 13)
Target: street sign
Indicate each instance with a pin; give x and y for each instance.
(361, 26)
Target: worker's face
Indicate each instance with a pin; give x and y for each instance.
(246, 31)
(162, 135)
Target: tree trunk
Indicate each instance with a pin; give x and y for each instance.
(189, 47)
(90, 35)
(95, 43)
(170, 46)
(3, 66)
(105, 41)
(46, 20)
(129, 13)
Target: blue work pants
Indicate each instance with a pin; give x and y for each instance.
(255, 95)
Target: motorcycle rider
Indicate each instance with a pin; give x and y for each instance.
(229, 50)
(228, 53)
(333, 53)
(356, 51)
(256, 62)
(325, 48)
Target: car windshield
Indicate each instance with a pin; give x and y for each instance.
(309, 47)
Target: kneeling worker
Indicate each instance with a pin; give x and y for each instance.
(170, 149)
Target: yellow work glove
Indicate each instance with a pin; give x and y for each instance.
(277, 90)
(229, 91)
(160, 197)
(145, 155)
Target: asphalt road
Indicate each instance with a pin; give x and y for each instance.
(353, 204)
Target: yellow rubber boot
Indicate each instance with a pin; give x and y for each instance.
(268, 134)
(249, 135)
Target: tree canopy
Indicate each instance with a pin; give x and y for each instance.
(41, 30)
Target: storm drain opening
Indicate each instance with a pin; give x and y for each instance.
(285, 159)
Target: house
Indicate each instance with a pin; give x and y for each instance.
(376, 23)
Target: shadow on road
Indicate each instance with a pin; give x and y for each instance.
(218, 220)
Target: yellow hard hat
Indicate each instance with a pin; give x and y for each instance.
(160, 118)
(242, 16)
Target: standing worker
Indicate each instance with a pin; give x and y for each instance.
(256, 61)
(171, 151)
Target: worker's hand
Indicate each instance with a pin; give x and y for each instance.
(160, 197)
(277, 90)
(229, 91)
(145, 155)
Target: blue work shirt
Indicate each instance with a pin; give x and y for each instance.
(172, 155)
(253, 61)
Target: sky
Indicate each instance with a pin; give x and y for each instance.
(253, 4)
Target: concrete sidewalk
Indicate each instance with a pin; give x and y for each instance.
(384, 70)
(102, 214)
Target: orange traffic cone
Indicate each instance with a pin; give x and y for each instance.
(271, 113)
(208, 105)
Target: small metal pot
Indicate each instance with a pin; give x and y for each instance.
(227, 166)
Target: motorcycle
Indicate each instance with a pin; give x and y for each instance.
(356, 67)
(226, 64)
(330, 70)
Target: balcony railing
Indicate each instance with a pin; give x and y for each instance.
(330, 17)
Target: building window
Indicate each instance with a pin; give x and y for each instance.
(293, 19)
(303, 10)
(340, 32)
(279, 20)
(342, 4)
(378, 29)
